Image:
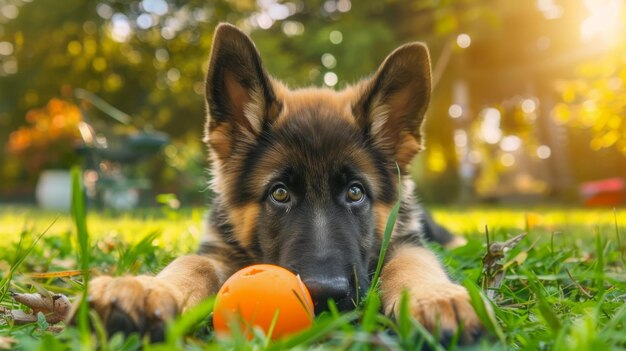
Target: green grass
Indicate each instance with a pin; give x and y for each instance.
(564, 289)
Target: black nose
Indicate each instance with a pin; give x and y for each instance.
(324, 288)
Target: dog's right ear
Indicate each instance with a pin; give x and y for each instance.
(239, 92)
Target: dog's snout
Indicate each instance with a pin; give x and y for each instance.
(324, 288)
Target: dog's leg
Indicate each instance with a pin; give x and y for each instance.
(143, 304)
(435, 301)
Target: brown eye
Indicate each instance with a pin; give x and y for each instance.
(280, 194)
(355, 193)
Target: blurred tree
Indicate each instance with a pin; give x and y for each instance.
(514, 68)
(147, 57)
(593, 105)
(337, 42)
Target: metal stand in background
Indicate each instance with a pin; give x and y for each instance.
(111, 158)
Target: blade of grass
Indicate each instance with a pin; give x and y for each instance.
(599, 273)
(618, 318)
(426, 337)
(372, 300)
(129, 256)
(79, 215)
(20, 256)
(270, 331)
(179, 328)
(404, 316)
(320, 329)
(334, 313)
(619, 239)
(545, 308)
(99, 330)
(391, 222)
(483, 309)
(372, 306)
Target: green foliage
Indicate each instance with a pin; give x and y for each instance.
(156, 74)
(484, 309)
(592, 104)
(158, 79)
(49, 139)
(596, 99)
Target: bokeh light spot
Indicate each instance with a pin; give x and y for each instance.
(335, 37)
(157, 7)
(120, 28)
(105, 11)
(529, 106)
(510, 143)
(144, 21)
(507, 160)
(99, 64)
(161, 55)
(6, 48)
(455, 111)
(544, 152)
(329, 61)
(292, 28)
(344, 5)
(173, 75)
(9, 11)
(278, 11)
(460, 138)
(264, 21)
(330, 79)
(10, 66)
(490, 127)
(74, 48)
(463, 40)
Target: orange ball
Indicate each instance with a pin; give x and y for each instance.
(252, 296)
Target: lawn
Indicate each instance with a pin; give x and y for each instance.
(564, 284)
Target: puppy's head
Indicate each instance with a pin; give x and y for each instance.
(309, 176)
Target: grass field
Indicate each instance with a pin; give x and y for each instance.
(564, 286)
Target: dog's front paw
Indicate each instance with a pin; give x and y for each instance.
(140, 304)
(443, 308)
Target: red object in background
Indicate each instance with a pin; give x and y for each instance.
(605, 192)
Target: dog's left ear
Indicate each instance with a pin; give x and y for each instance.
(392, 104)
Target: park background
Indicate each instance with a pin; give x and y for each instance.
(528, 103)
(526, 126)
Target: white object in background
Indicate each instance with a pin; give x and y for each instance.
(54, 190)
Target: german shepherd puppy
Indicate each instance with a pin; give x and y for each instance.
(305, 179)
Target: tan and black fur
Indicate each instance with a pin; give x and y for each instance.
(305, 179)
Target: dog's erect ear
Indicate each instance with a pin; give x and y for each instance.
(238, 90)
(392, 104)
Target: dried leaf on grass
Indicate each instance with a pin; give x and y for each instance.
(54, 307)
(493, 266)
